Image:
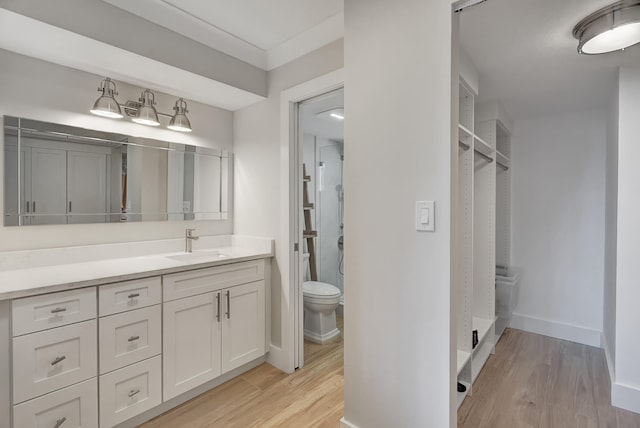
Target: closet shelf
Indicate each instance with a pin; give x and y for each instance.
(463, 132)
(483, 146)
(463, 359)
(483, 326)
(502, 158)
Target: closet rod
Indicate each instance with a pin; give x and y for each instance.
(503, 166)
(488, 158)
(463, 145)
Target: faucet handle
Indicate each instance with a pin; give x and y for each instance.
(189, 231)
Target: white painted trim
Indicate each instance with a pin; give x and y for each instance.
(182, 22)
(610, 362)
(286, 257)
(625, 397)
(346, 424)
(322, 34)
(59, 46)
(556, 329)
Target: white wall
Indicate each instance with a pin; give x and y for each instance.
(558, 197)
(626, 389)
(611, 229)
(398, 347)
(40, 90)
(258, 189)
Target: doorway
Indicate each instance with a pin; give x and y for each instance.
(320, 142)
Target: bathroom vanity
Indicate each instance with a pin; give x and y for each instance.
(114, 341)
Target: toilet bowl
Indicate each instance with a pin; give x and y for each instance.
(320, 303)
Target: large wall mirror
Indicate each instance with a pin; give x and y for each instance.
(58, 174)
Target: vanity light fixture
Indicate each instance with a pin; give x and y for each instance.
(147, 114)
(143, 111)
(106, 104)
(180, 122)
(612, 28)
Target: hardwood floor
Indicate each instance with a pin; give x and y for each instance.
(532, 381)
(266, 397)
(537, 381)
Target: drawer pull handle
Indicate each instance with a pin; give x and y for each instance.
(59, 422)
(133, 392)
(218, 305)
(133, 338)
(58, 360)
(134, 295)
(228, 304)
(58, 310)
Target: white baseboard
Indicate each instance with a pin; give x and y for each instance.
(346, 424)
(556, 329)
(625, 397)
(608, 358)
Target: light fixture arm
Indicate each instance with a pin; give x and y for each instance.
(132, 107)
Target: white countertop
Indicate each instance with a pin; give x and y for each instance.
(29, 281)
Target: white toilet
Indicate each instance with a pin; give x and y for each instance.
(320, 303)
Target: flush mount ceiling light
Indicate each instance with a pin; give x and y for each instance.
(142, 111)
(180, 122)
(612, 28)
(336, 113)
(106, 105)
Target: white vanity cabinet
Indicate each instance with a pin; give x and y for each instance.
(217, 325)
(115, 353)
(54, 356)
(130, 346)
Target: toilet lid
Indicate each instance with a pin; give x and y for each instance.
(318, 288)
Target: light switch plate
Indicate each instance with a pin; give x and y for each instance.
(425, 216)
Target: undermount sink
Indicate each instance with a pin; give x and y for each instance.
(202, 255)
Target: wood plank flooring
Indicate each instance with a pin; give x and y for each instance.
(537, 381)
(266, 397)
(532, 381)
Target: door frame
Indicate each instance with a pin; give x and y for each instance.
(290, 355)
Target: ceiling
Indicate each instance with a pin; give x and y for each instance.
(526, 56)
(266, 34)
(323, 126)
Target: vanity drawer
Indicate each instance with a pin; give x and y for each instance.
(52, 359)
(129, 337)
(124, 296)
(37, 313)
(72, 407)
(185, 284)
(130, 391)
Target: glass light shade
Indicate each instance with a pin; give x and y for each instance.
(613, 40)
(107, 107)
(612, 28)
(180, 122)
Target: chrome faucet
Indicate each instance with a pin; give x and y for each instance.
(188, 240)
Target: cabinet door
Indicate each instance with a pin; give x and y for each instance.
(87, 187)
(243, 320)
(191, 345)
(48, 186)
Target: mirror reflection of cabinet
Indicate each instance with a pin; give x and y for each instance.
(58, 174)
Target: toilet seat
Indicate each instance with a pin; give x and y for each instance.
(320, 290)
